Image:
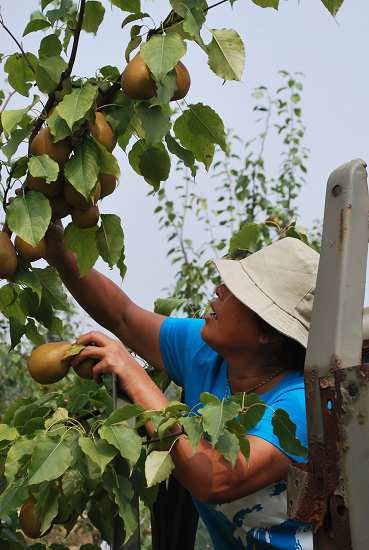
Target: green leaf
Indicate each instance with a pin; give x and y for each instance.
(10, 304)
(51, 457)
(133, 17)
(49, 72)
(125, 439)
(99, 451)
(120, 114)
(53, 290)
(29, 216)
(17, 455)
(186, 156)
(133, 6)
(245, 239)
(75, 105)
(108, 162)
(47, 505)
(198, 129)
(193, 13)
(37, 22)
(7, 433)
(121, 265)
(158, 467)
(226, 54)
(123, 494)
(155, 123)
(193, 428)
(165, 306)
(154, 165)
(28, 279)
(33, 333)
(123, 413)
(11, 118)
(94, 15)
(110, 239)
(12, 497)
(17, 330)
(216, 413)
(16, 138)
(83, 168)
(82, 242)
(244, 447)
(42, 166)
(228, 446)
(20, 74)
(58, 127)
(333, 6)
(50, 46)
(267, 3)
(285, 430)
(162, 52)
(252, 411)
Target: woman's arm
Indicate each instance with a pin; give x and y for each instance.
(205, 473)
(105, 302)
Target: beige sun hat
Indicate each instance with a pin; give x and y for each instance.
(277, 283)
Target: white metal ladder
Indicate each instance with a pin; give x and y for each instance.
(332, 491)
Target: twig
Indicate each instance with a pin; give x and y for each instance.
(51, 100)
(6, 101)
(18, 44)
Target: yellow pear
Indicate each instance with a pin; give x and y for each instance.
(108, 184)
(47, 364)
(59, 207)
(42, 144)
(137, 82)
(77, 200)
(29, 522)
(85, 218)
(29, 252)
(48, 189)
(103, 132)
(8, 257)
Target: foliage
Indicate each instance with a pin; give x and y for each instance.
(74, 450)
(246, 208)
(67, 447)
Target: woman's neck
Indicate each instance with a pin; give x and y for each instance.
(246, 372)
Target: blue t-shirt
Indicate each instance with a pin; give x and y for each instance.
(258, 521)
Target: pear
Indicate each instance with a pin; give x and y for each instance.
(77, 200)
(28, 252)
(42, 144)
(103, 132)
(84, 369)
(48, 189)
(8, 257)
(108, 184)
(85, 218)
(29, 522)
(137, 82)
(47, 363)
(59, 208)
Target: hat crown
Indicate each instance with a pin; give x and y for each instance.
(286, 272)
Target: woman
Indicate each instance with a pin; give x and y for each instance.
(253, 342)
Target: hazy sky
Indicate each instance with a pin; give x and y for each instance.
(302, 36)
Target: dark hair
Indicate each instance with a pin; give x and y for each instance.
(289, 353)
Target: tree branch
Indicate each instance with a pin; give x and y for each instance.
(18, 44)
(68, 71)
(6, 101)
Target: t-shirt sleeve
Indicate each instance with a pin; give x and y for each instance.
(293, 402)
(180, 340)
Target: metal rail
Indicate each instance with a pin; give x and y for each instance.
(332, 491)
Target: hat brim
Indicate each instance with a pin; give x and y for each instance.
(247, 291)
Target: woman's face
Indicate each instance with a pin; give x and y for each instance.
(233, 327)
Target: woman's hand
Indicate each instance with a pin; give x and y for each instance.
(111, 355)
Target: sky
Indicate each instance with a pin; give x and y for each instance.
(301, 36)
